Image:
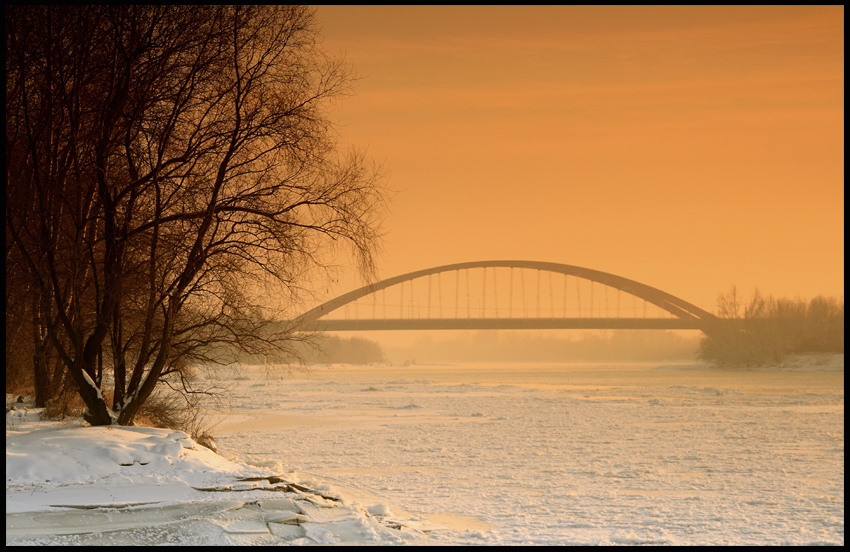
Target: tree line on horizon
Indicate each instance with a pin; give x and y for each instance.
(561, 346)
(765, 329)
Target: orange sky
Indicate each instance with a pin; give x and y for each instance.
(688, 148)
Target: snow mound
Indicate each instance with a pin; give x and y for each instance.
(80, 485)
(113, 454)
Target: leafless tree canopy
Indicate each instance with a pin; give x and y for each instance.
(158, 159)
(766, 329)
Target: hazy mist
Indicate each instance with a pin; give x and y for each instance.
(520, 346)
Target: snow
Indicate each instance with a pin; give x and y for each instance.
(609, 454)
(75, 484)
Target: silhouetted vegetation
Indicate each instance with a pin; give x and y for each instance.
(162, 162)
(520, 346)
(313, 350)
(331, 349)
(765, 330)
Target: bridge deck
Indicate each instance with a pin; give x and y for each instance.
(503, 324)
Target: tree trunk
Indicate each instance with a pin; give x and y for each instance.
(39, 359)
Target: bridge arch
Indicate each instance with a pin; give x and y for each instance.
(665, 301)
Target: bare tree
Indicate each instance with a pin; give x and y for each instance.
(766, 329)
(164, 159)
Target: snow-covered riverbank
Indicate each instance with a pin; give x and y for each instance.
(473, 454)
(69, 484)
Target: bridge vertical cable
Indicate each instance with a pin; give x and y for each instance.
(511, 294)
(538, 293)
(564, 312)
(578, 296)
(483, 291)
(428, 308)
(618, 304)
(457, 293)
(495, 293)
(401, 301)
(413, 310)
(522, 287)
(592, 312)
(468, 304)
(440, 293)
(551, 298)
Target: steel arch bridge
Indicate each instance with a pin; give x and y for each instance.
(678, 314)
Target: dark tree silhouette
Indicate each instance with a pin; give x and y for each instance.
(765, 330)
(161, 160)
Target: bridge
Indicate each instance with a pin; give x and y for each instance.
(506, 295)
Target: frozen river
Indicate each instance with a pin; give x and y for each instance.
(563, 453)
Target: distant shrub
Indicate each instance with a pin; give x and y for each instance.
(766, 330)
